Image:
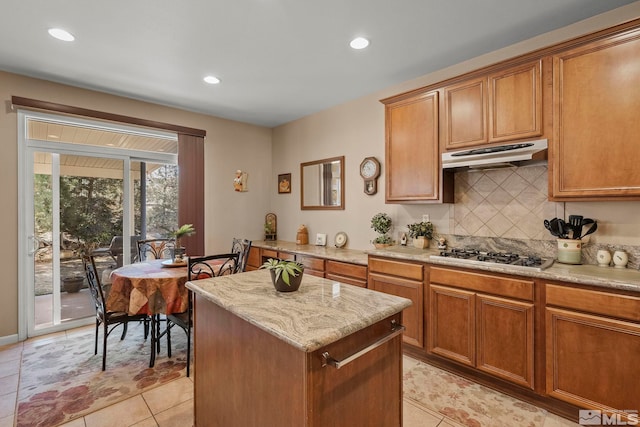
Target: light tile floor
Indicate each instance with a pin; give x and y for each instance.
(171, 405)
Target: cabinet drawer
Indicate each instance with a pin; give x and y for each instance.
(268, 253)
(346, 269)
(311, 262)
(396, 268)
(505, 286)
(348, 280)
(608, 304)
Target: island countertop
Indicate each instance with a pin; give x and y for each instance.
(321, 312)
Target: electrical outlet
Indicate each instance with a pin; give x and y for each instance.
(425, 218)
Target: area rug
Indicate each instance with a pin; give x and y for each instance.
(463, 401)
(61, 379)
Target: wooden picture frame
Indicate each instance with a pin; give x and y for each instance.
(284, 183)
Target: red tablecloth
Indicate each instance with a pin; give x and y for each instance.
(148, 287)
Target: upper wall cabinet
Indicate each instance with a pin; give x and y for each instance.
(412, 153)
(503, 106)
(596, 91)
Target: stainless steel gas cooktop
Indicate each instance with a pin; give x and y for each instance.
(507, 260)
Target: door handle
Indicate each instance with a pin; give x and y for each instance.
(396, 329)
(36, 245)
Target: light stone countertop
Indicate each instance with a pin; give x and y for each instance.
(319, 313)
(624, 279)
(329, 252)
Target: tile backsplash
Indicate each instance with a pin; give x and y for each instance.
(509, 203)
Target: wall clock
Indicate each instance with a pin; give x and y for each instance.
(340, 239)
(370, 171)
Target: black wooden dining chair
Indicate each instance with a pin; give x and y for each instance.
(108, 319)
(199, 268)
(242, 247)
(149, 249)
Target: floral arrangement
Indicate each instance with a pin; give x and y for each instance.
(381, 223)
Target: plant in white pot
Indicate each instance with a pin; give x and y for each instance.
(381, 223)
(421, 232)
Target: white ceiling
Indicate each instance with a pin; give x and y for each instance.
(278, 60)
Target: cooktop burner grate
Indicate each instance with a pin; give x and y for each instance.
(506, 259)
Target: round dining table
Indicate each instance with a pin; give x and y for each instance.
(150, 287)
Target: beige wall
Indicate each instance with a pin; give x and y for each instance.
(356, 130)
(228, 146)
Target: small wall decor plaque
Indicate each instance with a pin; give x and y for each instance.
(284, 183)
(240, 181)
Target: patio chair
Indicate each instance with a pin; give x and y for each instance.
(155, 249)
(108, 319)
(241, 247)
(115, 250)
(199, 268)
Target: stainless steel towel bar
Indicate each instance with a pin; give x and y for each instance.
(396, 329)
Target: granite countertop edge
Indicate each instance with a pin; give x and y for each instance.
(623, 279)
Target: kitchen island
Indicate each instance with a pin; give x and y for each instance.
(327, 354)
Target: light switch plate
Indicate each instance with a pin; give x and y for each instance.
(321, 239)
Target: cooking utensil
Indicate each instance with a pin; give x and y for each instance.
(594, 227)
(558, 228)
(547, 225)
(575, 222)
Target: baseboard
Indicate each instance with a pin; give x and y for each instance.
(9, 339)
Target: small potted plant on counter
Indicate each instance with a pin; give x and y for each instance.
(381, 223)
(421, 232)
(285, 275)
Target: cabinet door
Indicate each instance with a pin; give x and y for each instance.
(515, 103)
(596, 127)
(505, 339)
(592, 361)
(465, 116)
(452, 324)
(412, 317)
(412, 151)
(253, 261)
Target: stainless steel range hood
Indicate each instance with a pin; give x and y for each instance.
(497, 156)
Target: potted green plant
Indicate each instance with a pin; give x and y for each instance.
(381, 223)
(285, 275)
(421, 232)
(183, 231)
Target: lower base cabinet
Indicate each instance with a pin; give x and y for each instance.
(593, 359)
(405, 280)
(244, 376)
(491, 333)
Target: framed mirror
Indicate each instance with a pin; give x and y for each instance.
(322, 184)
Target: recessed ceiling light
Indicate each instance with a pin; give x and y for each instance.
(212, 80)
(359, 43)
(61, 34)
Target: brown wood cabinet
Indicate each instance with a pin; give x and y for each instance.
(254, 261)
(272, 383)
(412, 152)
(404, 279)
(475, 319)
(502, 106)
(353, 274)
(593, 343)
(312, 265)
(596, 94)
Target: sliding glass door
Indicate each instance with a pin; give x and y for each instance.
(83, 198)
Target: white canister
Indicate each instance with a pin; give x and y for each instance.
(620, 259)
(604, 258)
(570, 251)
